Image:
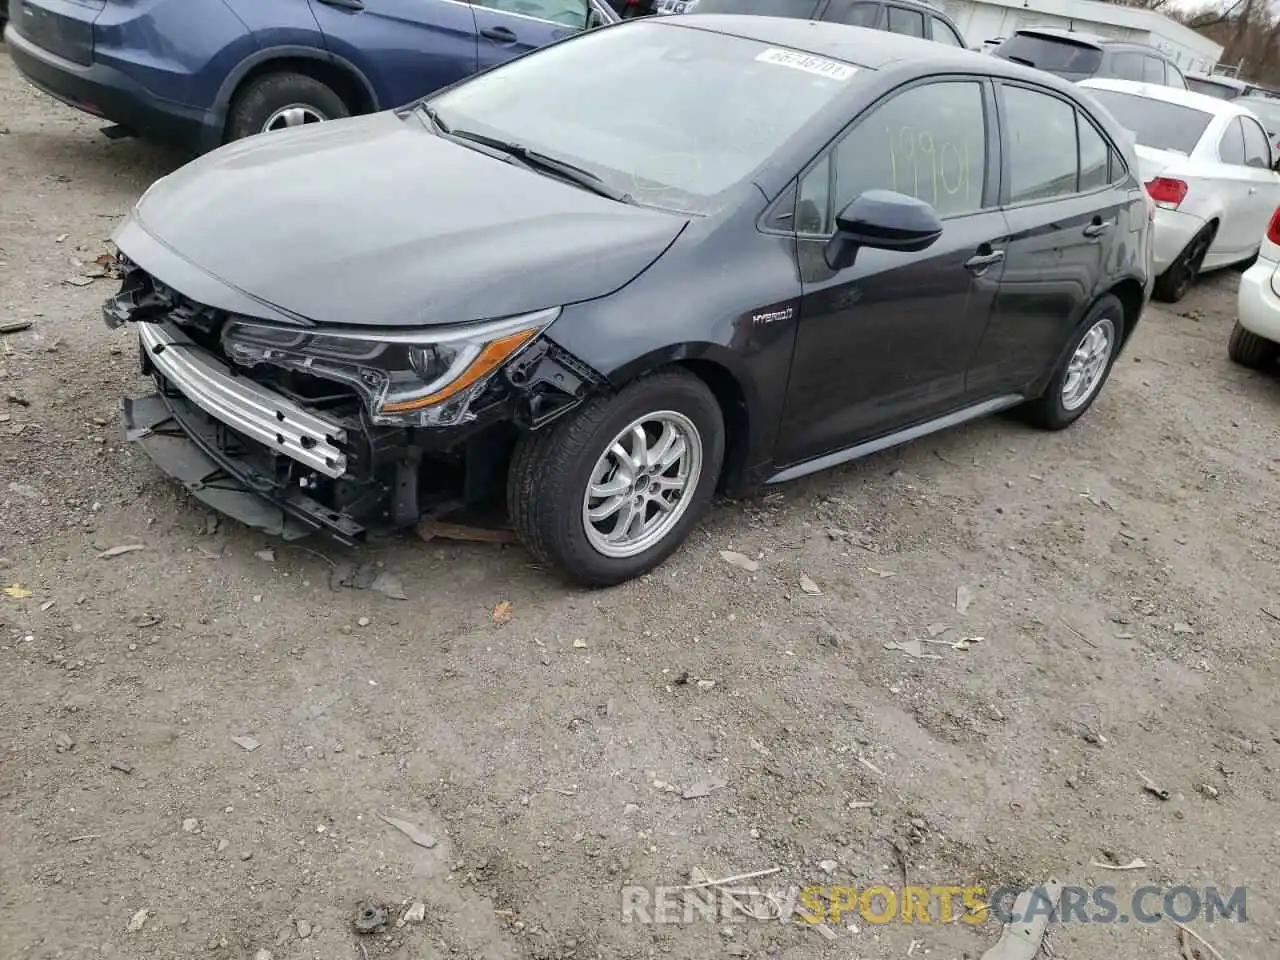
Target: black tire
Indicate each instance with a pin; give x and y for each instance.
(1250, 350)
(1049, 410)
(552, 468)
(258, 102)
(1180, 276)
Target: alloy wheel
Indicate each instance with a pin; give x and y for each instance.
(294, 115)
(642, 484)
(1088, 364)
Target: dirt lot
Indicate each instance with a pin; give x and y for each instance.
(1117, 573)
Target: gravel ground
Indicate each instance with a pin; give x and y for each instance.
(1118, 574)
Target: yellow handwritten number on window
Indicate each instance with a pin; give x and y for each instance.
(916, 159)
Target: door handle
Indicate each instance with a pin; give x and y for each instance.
(499, 34)
(979, 262)
(1098, 228)
(1253, 189)
(345, 4)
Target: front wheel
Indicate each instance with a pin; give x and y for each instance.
(1081, 373)
(612, 490)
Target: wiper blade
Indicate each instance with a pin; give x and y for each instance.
(430, 113)
(548, 164)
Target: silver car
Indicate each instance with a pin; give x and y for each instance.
(1210, 168)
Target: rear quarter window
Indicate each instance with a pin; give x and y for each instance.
(795, 9)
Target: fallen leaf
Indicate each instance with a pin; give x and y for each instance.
(121, 550)
(389, 585)
(502, 612)
(411, 831)
(739, 560)
(808, 586)
(882, 574)
(17, 592)
(964, 597)
(138, 921)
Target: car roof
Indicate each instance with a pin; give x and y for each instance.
(1175, 95)
(860, 46)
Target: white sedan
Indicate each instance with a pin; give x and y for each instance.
(1210, 168)
(1255, 341)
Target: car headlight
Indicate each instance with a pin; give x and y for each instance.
(405, 378)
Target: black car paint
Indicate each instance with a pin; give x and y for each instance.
(808, 365)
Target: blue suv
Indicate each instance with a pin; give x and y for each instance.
(203, 72)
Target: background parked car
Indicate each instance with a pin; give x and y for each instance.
(1255, 340)
(1226, 88)
(1266, 109)
(202, 72)
(1210, 169)
(1079, 56)
(914, 18)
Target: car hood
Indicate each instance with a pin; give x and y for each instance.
(379, 221)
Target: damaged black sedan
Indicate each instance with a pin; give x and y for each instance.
(613, 276)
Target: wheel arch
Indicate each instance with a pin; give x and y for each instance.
(344, 77)
(1133, 297)
(726, 377)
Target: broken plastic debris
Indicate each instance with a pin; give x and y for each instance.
(809, 587)
(964, 597)
(740, 560)
(247, 743)
(1134, 864)
(121, 550)
(413, 832)
(912, 648)
(389, 585)
(138, 921)
(703, 788)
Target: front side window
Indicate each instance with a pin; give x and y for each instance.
(1257, 151)
(568, 12)
(858, 13)
(943, 33)
(1042, 145)
(909, 22)
(928, 142)
(1155, 123)
(1231, 146)
(1126, 66)
(650, 138)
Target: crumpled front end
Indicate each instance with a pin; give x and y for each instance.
(294, 428)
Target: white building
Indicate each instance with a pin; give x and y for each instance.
(982, 20)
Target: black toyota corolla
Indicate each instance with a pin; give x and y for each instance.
(615, 275)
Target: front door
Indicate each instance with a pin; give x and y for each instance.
(883, 344)
(407, 48)
(508, 28)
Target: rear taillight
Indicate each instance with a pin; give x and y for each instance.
(1273, 228)
(1167, 192)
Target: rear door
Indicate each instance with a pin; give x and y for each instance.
(1065, 202)
(508, 28)
(406, 48)
(1237, 183)
(1264, 182)
(855, 13)
(905, 20)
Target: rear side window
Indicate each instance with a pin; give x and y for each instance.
(1055, 56)
(1209, 88)
(1257, 151)
(1154, 123)
(1095, 156)
(1042, 145)
(1153, 70)
(1231, 146)
(909, 22)
(943, 33)
(856, 13)
(1174, 77)
(1126, 66)
(795, 9)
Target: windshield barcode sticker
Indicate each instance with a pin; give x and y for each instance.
(820, 66)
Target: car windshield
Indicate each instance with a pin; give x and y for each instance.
(796, 9)
(1220, 90)
(676, 117)
(1054, 56)
(1155, 123)
(1268, 111)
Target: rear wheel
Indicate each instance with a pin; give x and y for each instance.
(1172, 285)
(1081, 373)
(613, 489)
(1250, 350)
(277, 101)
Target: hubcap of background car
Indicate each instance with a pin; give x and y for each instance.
(1088, 364)
(642, 484)
(294, 115)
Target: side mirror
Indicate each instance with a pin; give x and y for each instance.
(882, 220)
(594, 19)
